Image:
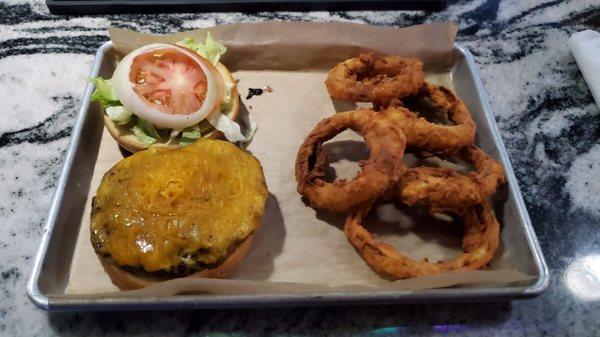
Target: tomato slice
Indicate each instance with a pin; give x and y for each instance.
(168, 85)
(169, 81)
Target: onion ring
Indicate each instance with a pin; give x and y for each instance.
(378, 173)
(442, 189)
(480, 242)
(374, 78)
(424, 135)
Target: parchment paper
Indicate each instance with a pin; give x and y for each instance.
(298, 249)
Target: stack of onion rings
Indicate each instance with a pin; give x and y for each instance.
(373, 78)
(443, 189)
(426, 136)
(390, 128)
(378, 173)
(480, 241)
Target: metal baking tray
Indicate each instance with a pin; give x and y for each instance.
(51, 269)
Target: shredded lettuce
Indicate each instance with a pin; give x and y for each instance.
(145, 132)
(231, 129)
(189, 135)
(188, 42)
(173, 134)
(142, 137)
(210, 50)
(148, 128)
(118, 114)
(104, 93)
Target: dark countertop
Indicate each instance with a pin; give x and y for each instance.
(546, 115)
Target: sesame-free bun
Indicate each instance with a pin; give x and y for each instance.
(126, 139)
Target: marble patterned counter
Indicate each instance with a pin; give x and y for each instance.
(545, 112)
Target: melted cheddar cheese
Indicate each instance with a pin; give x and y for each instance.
(171, 210)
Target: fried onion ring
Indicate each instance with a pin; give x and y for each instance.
(373, 78)
(378, 173)
(480, 242)
(428, 136)
(443, 189)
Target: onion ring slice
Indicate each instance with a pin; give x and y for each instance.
(480, 242)
(378, 173)
(442, 189)
(428, 136)
(373, 78)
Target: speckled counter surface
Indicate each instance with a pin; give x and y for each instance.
(545, 112)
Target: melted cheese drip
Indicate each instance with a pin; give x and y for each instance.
(159, 209)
